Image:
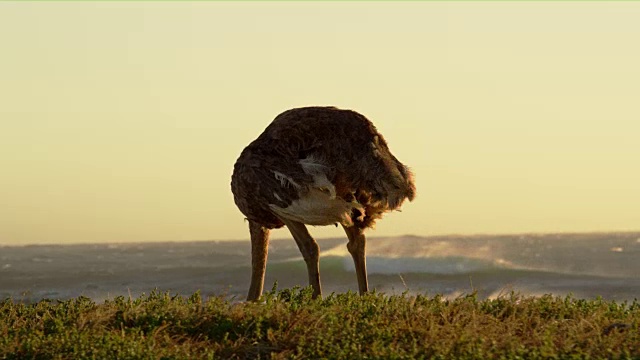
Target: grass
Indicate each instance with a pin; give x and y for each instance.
(289, 324)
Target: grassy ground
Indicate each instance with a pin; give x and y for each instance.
(288, 324)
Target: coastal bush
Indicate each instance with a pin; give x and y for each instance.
(289, 324)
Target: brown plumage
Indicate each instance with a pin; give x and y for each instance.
(317, 166)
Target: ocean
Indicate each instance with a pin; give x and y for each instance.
(585, 265)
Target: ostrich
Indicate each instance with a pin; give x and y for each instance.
(317, 166)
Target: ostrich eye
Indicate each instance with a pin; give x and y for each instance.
(303, 154)
(349, 197)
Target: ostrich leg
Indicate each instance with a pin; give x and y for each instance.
(259, 249)
(310, 252)
(356, 247)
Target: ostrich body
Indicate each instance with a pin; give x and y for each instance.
(317, 166)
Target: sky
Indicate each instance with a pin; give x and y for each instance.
(122, 121)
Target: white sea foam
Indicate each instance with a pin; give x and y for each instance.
(448, 265)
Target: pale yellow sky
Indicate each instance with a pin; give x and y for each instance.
(122, 121)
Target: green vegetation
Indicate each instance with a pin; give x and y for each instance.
(288, 324)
